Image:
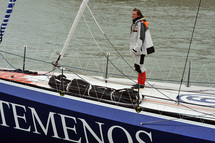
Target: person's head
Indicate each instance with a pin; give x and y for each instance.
(136, 13)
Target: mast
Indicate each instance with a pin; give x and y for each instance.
(6, 18)
(72, 30)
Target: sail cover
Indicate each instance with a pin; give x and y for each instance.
(81, 88)
(6, 18)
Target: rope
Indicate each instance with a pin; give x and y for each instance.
(89, 83)
(123, 57)
(130, 65)
(104, 53)
(109, 39)
(175, 119)
(120, 54)
(108, 58)
(103, 92)
(188, 52)
(26, 57)
(7, 61)
(88, 70)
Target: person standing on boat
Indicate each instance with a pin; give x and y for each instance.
(140, 45)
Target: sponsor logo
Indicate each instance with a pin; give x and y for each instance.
(198, 98)
(63, 127)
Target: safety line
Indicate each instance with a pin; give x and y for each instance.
(188, 52)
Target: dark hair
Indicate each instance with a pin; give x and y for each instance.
(138, 12)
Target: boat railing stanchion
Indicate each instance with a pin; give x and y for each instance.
(188, 78)
(106, 73)
(61, 84)
(23, 68)
(138, 108)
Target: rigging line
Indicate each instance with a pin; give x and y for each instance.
(175, 119)
(195, 110)
(26, 57)
(107, 37)
(96, 71)
(195, 104)
(114, 46)
(113, 65)
(181, 104)
(7, 61)
(108, 58)
(89, 83)
(158, 121)
(120, 54)
(188, 52)
(105, 54)
(111, 43)
(49, 71)
(155, 97)
(69, 66)
(126, 61)
(186, 117)
(93, 86)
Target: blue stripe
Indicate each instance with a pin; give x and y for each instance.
(10, 5)
(5, 20)
(9, 10)
(6, 17)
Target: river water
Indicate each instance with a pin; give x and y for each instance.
(43, 26)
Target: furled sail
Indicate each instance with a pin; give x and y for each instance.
(72, 30)
(6, 18)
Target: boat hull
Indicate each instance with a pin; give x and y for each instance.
(29, 114)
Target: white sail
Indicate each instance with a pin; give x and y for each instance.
(72, 30)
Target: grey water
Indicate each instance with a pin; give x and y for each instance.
(43, 26)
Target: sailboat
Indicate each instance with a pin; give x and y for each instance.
(69, 107)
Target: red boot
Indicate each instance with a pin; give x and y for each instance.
(141, 78)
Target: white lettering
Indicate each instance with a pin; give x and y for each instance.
(69, 125)
(45, 129)
(65, 128)
(138, 136)
(86, 126)
(110, 137)
(14, 106)
(2, 113)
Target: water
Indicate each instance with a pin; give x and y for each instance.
(43, 26)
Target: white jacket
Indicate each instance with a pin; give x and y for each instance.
(140, 38)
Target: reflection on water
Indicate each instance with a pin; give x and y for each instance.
(44, 25)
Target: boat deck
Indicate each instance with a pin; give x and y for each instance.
(194, 101)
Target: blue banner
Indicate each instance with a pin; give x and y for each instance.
(6, 18)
